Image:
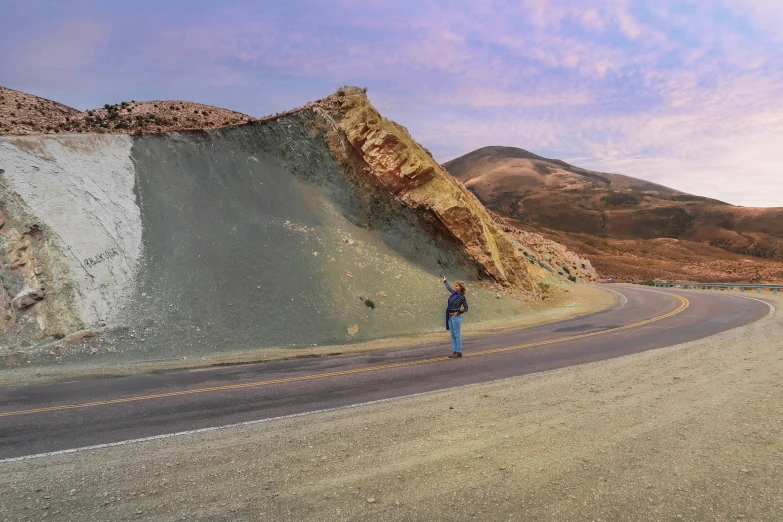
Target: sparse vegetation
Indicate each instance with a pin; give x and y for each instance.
(541, 168)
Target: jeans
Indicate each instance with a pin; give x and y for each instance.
(455, 327)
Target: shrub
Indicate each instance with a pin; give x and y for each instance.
(572, 278)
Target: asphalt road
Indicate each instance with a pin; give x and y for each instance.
(54, 417)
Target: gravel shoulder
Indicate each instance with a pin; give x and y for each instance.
(690, 432)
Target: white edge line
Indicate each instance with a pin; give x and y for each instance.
(623, 299)
(216, 428)
(772, 308)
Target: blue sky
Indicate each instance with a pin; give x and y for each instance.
(688, 94)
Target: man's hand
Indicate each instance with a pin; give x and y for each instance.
(454, 314)
(443, 278)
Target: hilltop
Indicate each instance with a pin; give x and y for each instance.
(25, 114)
(623, 223)
(22, 113)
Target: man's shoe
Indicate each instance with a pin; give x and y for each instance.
(454, 355)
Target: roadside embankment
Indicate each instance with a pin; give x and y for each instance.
(689, 432)
(488, 314)
(326, 225)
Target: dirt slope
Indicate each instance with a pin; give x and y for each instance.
(609, 217)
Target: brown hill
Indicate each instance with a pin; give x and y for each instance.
(22, 114)
(619, 221)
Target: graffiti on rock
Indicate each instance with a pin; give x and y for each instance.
(100, 258)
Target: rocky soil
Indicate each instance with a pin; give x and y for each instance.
(25, 114)
(549, 255)
(22, 113)
(691, 432)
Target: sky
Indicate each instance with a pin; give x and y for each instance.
(688, 94)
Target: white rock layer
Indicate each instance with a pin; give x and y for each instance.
(80, 187)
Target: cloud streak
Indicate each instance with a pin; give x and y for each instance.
(683, 93)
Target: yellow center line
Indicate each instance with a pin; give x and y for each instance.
(684, 303)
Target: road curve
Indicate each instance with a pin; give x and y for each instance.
(63, 416)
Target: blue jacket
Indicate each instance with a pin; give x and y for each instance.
(457, 303)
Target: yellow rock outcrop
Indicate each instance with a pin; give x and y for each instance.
(398, 164)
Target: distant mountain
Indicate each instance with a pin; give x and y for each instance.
(566, 200)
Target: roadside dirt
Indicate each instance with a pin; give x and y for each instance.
(563, 302)
(690, 432)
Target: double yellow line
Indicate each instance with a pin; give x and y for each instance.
(684, 303)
